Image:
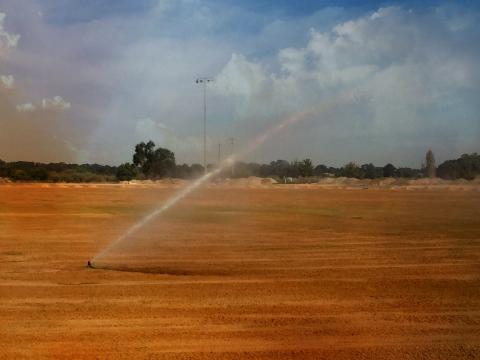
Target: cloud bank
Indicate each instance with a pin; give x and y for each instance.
(411, 76)
(414, 75)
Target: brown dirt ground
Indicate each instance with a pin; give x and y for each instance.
(264, 273)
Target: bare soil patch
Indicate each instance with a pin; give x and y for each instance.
(260, 272)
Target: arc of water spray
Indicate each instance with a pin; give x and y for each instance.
(259, 140)
(168, 204)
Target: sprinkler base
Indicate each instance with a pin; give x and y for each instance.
(89, 264)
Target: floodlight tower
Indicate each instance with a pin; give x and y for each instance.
(204, 81)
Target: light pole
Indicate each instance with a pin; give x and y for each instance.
(204, 81)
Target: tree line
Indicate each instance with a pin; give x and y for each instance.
(150, 162)
(57, 172)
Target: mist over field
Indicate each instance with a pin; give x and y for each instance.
(84, 82)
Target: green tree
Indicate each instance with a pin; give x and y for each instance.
(143, 156)
(294, 169)
(126, 172)
(154, 163)
(320, 170)
(281, 168)
(406, 172)
(305, 168)
(182, 171)
(162, 164)
(389, 170)
(467, 167)
(351, 170)
(370, 171)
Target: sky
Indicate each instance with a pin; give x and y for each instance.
(85, 80)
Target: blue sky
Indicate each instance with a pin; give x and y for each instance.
(92, 78)
(85, 10)
(67, 12)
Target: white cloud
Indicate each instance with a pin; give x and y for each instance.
(410, 73)
(7, 40)
(27, 107)
(415, 76)
(241, 77)
(147, 129)
(7, 81)
(55, 103)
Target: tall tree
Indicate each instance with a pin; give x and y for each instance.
(352, 170)
(389, 170)
(143, 156)
(430, 164)
(305, 168)
(154, 163)
(162, 163)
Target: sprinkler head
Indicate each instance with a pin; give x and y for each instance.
(89, 264)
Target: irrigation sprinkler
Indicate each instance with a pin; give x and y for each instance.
(228, 162)
(204, 81)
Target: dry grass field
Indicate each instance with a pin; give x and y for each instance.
(272, 272)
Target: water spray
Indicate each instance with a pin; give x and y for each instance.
(169, 203)
(255, 143)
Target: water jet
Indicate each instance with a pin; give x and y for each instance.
(182, 193)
